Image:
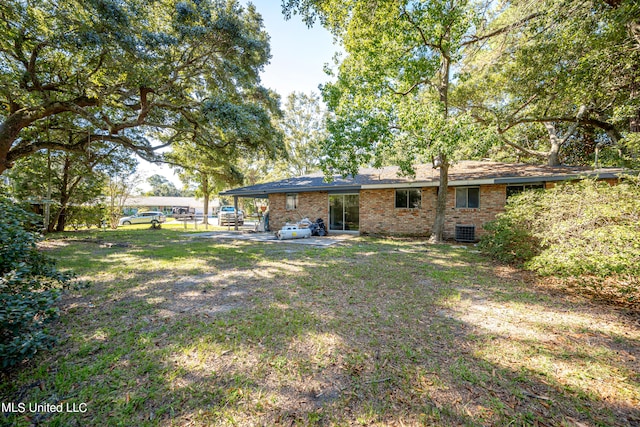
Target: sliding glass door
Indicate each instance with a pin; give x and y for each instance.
(344, 212)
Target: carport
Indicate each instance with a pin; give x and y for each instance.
(247, 195)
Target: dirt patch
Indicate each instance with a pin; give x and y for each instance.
(205, 296)
(47, 245)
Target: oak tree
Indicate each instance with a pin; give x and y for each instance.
(565, 84)
(129, 73)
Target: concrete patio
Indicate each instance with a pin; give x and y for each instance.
(270, 237)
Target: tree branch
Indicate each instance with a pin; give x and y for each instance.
(417, 27)
(412, 88)
(502, 30)
(607, 127)
(145, 108)
(538, 154)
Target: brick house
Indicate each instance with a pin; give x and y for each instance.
(379, 201)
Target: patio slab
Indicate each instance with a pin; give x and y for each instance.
(270, 237)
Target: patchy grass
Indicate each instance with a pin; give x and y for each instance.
(177, 330)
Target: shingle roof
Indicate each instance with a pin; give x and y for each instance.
(462, 173)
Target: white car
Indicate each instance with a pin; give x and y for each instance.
(143, 218)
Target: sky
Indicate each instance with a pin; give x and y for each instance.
(299, 55)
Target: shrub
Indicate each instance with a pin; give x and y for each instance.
(29, 286)
(583, 228)
(510, 241)
(85, 216)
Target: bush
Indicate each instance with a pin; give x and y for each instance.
(510, 241)
(583, 228)
(85, 216)
(29, 286)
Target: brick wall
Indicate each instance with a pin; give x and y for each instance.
(312, 205)
(492, 201)
(378, 214)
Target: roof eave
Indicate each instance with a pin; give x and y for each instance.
(265, 193)
(554, 178)
(257, 193)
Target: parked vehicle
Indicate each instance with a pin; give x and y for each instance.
(143, 218)
(227, 216)
(184, 213)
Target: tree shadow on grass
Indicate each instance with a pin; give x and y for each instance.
(373, 332)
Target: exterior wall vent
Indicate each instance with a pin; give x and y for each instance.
(465, 233)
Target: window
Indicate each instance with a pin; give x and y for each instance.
(292, 202)
(409, 198)
(468, 197)
(516, 189)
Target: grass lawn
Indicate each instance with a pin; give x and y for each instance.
(179, 330)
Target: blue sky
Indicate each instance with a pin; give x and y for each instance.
(298, 53)
(298, 58)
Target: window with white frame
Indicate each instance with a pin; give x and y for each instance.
(468, 197)
(292, 201)
(410, 198)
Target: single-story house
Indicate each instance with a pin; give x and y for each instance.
(380, 201)
(169, 205)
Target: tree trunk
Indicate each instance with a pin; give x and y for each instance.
(204, 181)
(634, 122)
(553, 158)
(437, 234)
(9, 131)
(62, 219)
(65, 195)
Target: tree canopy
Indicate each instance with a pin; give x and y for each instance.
(392, 97)
(564, 84)
(130, 73)
(441, 80)
(210, 172)
(66, 178)
(303, 126)
(161, 186)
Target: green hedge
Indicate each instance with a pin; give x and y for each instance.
(29, 286)
(582, 228)
(85, 216)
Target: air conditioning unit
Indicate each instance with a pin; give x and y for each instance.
(465, 233)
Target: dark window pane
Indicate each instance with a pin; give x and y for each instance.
(474, 198)
(461, 197)
(336, 212)
(352, 212)
(415, 197)
(401, 199)
(534, 187)
(513, 190)
(516, 189)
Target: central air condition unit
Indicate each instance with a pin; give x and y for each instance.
(465, 233)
